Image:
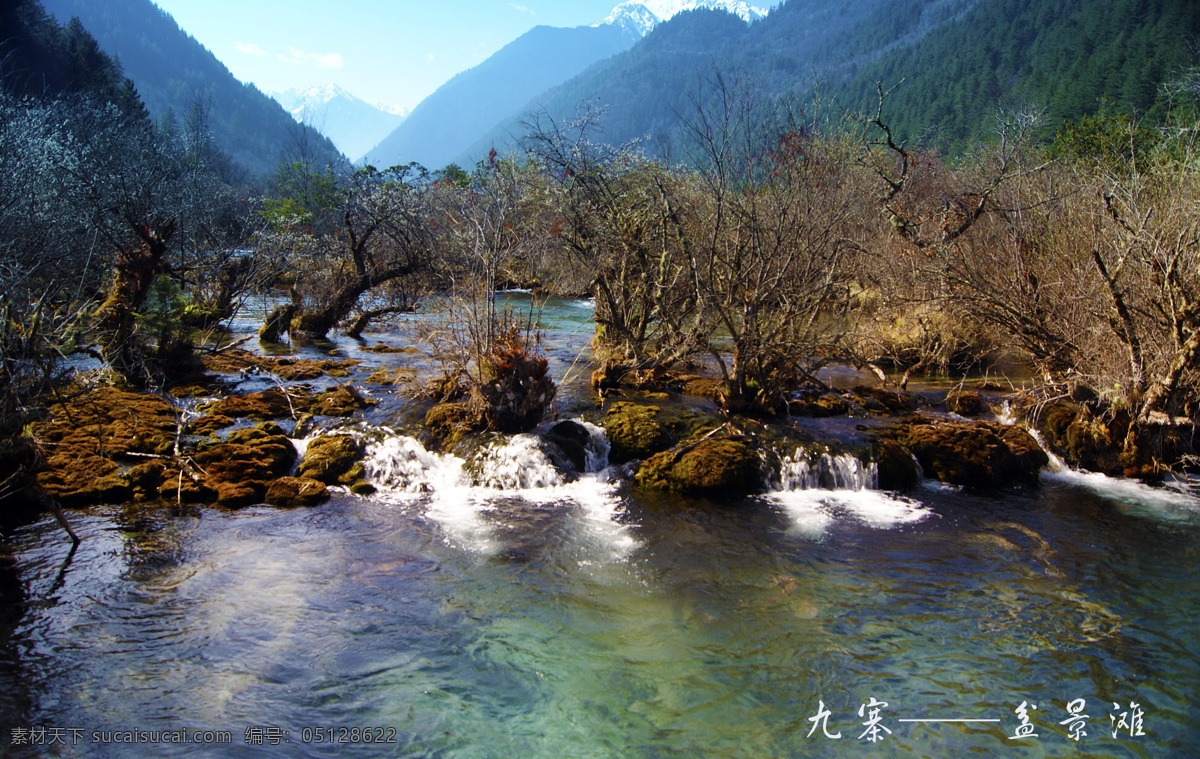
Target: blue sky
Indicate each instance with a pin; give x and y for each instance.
(392, 52)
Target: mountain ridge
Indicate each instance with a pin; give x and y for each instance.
(354, 125)
(172, 71)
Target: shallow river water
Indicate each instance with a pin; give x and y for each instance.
(544, 618)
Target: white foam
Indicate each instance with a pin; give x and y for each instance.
(1167, 502)
(516, 468)
(815, 491)
(814, 510)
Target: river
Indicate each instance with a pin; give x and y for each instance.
(555, 618)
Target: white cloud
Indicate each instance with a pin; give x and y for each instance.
(430, 58)
(324, 60)
(523, 9)
(250, 49)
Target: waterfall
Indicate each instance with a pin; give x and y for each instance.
(827, 472)
(494, 493)
(817, 490)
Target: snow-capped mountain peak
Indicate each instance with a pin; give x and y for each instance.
(354, 125)
(643, 15)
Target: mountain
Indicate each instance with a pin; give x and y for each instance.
(354, 125)
(643, 15)
(457, 113)
(173, 72)
(454, 118)
(959, 60)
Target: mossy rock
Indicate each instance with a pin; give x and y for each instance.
(896, 467)
(818, 406)
(964, 403)
(892, 402)
(235, 495)
(178, 487)
(1083, 440)
(269, 404)
(190, 391)
(448, 424)
(342, 400)
(206, 425)
(145, 479)
(709, 467)
(287, 367)
(700, 387)
(291, 492)
(333, 460)
(977, 455)
(86, 479)
(634, 432)
(85, 435)
(392, 377)
(240, 469)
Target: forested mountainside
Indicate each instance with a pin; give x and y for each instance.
(41, 58)
(172, 71)
(959, 60)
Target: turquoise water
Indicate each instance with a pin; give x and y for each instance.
(586, 619)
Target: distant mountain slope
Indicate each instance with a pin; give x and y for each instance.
(171, 70)
(646, 89)
(442, 126)
(960, 59)
(354, 125)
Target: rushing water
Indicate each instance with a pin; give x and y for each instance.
(496, 608)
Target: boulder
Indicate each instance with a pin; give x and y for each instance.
(333, 460)
(634, 432)
(721, 467)
(448, 423)
(296, 491)
(964, 403)
(571, 438)
(978, 455)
